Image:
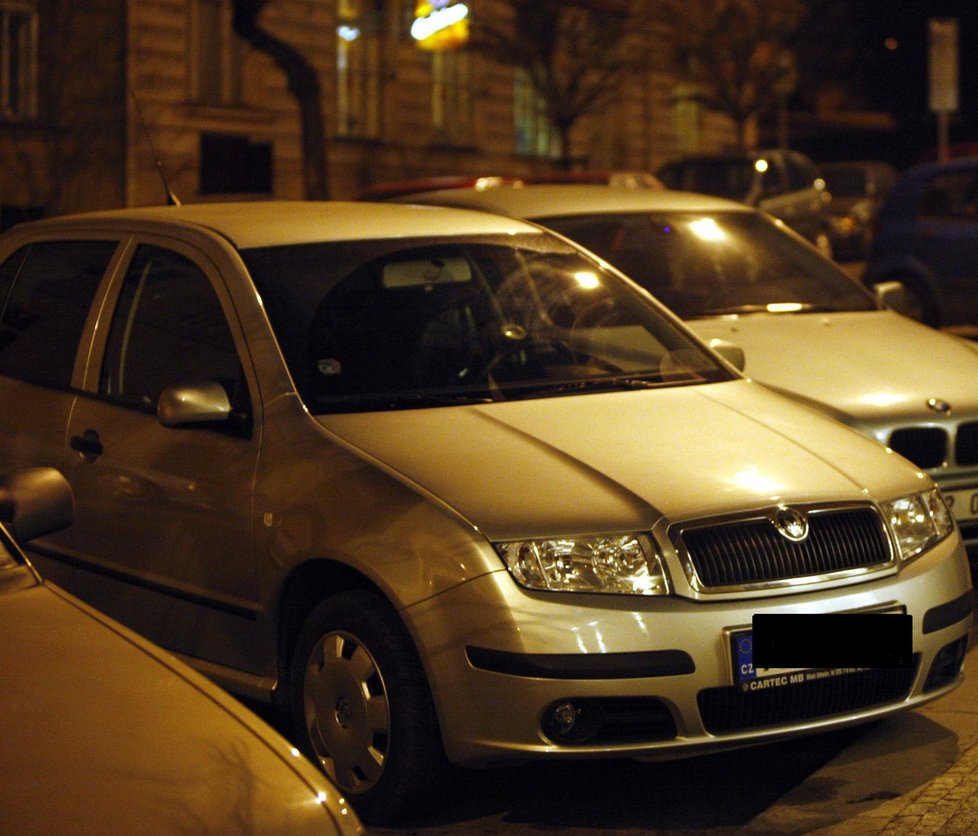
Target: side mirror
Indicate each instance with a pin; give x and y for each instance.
(891, 295)
(730, 352)
(193, 402)
(35, 501)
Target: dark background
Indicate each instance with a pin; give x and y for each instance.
(876, 51)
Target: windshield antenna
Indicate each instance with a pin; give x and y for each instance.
(171, 198)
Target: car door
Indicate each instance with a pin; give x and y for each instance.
(48, 292)
(164, 516)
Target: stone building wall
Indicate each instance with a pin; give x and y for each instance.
(124, 102)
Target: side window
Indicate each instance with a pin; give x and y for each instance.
(46, 291)
(168, 327)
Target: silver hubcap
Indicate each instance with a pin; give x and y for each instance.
(346, 711)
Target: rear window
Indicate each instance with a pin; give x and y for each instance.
(732, 179)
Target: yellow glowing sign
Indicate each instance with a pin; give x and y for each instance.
(440, 25)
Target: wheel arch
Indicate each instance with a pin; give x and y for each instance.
(308, 584)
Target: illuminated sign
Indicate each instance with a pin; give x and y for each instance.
(440, 25)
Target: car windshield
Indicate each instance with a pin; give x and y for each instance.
(397, 324)
(725, 178)
(717, 264)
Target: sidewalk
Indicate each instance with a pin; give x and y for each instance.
(914, 774)
(947, 804)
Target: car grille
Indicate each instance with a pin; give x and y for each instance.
(752, 551)
(930, 447)
(730, 709)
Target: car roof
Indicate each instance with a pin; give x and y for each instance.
(556, 201)
(629, 178)
(271, 223)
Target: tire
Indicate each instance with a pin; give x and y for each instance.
(361, 707)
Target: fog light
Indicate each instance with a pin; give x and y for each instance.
(572, 721)
(564, 718)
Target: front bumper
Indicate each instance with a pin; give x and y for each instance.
(658, 671)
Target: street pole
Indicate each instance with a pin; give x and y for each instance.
(943, 71)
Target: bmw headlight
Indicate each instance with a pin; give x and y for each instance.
(918, 521)
(621, 564)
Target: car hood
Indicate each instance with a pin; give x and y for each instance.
(104, 733)
(873, 367)
(622, 461)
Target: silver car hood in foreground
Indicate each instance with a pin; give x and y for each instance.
(621, 461)
(103, 733)
(874, 366)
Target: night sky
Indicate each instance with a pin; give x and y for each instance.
(878, 49)
(894, 37)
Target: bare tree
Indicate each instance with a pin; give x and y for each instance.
(573, 52)
(738, 51)
(303, 82)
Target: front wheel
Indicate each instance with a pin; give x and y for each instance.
(361, 707)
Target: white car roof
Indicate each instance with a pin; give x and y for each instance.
(270, 223)
(547, 201)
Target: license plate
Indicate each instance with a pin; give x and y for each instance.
(831, 640)
(743, 657)
(964, 503)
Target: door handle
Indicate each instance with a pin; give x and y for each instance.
(88, 443)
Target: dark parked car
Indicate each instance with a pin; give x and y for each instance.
(927, 238)
(858, 189)
(785, 184)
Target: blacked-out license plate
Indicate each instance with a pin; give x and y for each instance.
(790, 649)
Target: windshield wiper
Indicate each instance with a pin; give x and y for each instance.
(593, 384)
(406, 400)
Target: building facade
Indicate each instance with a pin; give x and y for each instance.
(108, 103)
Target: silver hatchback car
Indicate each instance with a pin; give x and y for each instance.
(455, 491)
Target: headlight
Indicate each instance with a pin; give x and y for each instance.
(918, 521)
(620, 564)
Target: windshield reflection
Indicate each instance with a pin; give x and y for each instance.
(408, 324)
(723, 264)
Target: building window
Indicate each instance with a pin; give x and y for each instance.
(451, 97)
(232, 164)
(217, 54)
(358, 68)
(535, 135)
(18, 60)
